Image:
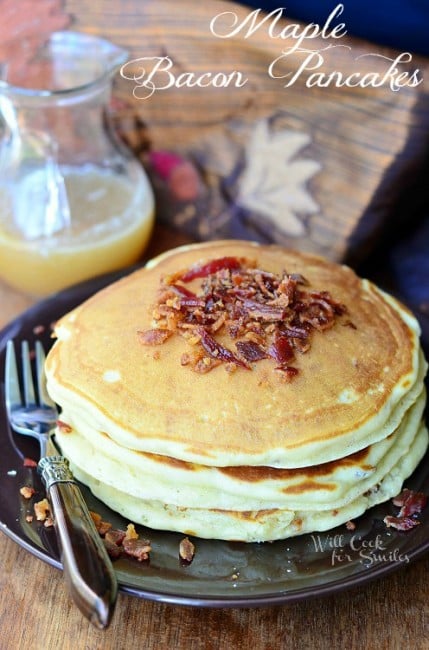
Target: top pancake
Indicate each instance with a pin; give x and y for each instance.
(353, 387)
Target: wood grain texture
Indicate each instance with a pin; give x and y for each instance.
(364, 139)
(36, 613)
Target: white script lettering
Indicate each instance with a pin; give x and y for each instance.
(314, 60)
(160, 76)
(254, 21)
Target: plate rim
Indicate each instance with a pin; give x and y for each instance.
(74, 295)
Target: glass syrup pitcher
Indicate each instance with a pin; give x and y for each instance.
(73, 202)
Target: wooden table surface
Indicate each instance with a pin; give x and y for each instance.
(36, 611)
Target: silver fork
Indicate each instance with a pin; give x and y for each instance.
(87, 567)
(29, 414)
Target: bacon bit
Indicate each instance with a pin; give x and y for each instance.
(295, 332)
(281, 349)
(131, 532)
(182, 291)
(268, 315)
(113, 550)
(186, 550)
(400, 523)
(49, 522)
(216, 350)
(263, 311)
(29, 519)
(42, 509)
(300, 345)
(64, 427)
(115, 536)
(251, 351)
(288, 372)
(29, 462)
(96, 518)
(137, 548)
(154, 336)
(102, 526)
(117, 542)
(410, 502)
(38, 329)
(350, 525)
(27, 492)
(204, 364)
(212, 267)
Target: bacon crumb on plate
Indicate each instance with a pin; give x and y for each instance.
(29, 462)
(186, 550)
(27, 492)
(400, 523)
(411, 504)
(121, 542)
(42, 509)
(137, 548)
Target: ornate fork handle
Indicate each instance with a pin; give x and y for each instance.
(87, 567)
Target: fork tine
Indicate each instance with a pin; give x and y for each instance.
(12, 389)
(28, 384)
(44, 397)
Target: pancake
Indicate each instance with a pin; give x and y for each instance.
(254, 525)
(353, 387)
(234, 389)
(180, 483)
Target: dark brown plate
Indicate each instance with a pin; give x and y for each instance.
(222, 574)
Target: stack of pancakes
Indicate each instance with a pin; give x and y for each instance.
(243, 454)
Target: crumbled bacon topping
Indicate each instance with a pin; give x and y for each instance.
(262, 314)
(411, 504)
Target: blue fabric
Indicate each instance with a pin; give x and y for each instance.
(402, 24)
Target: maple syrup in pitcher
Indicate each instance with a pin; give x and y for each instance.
(73, 202)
